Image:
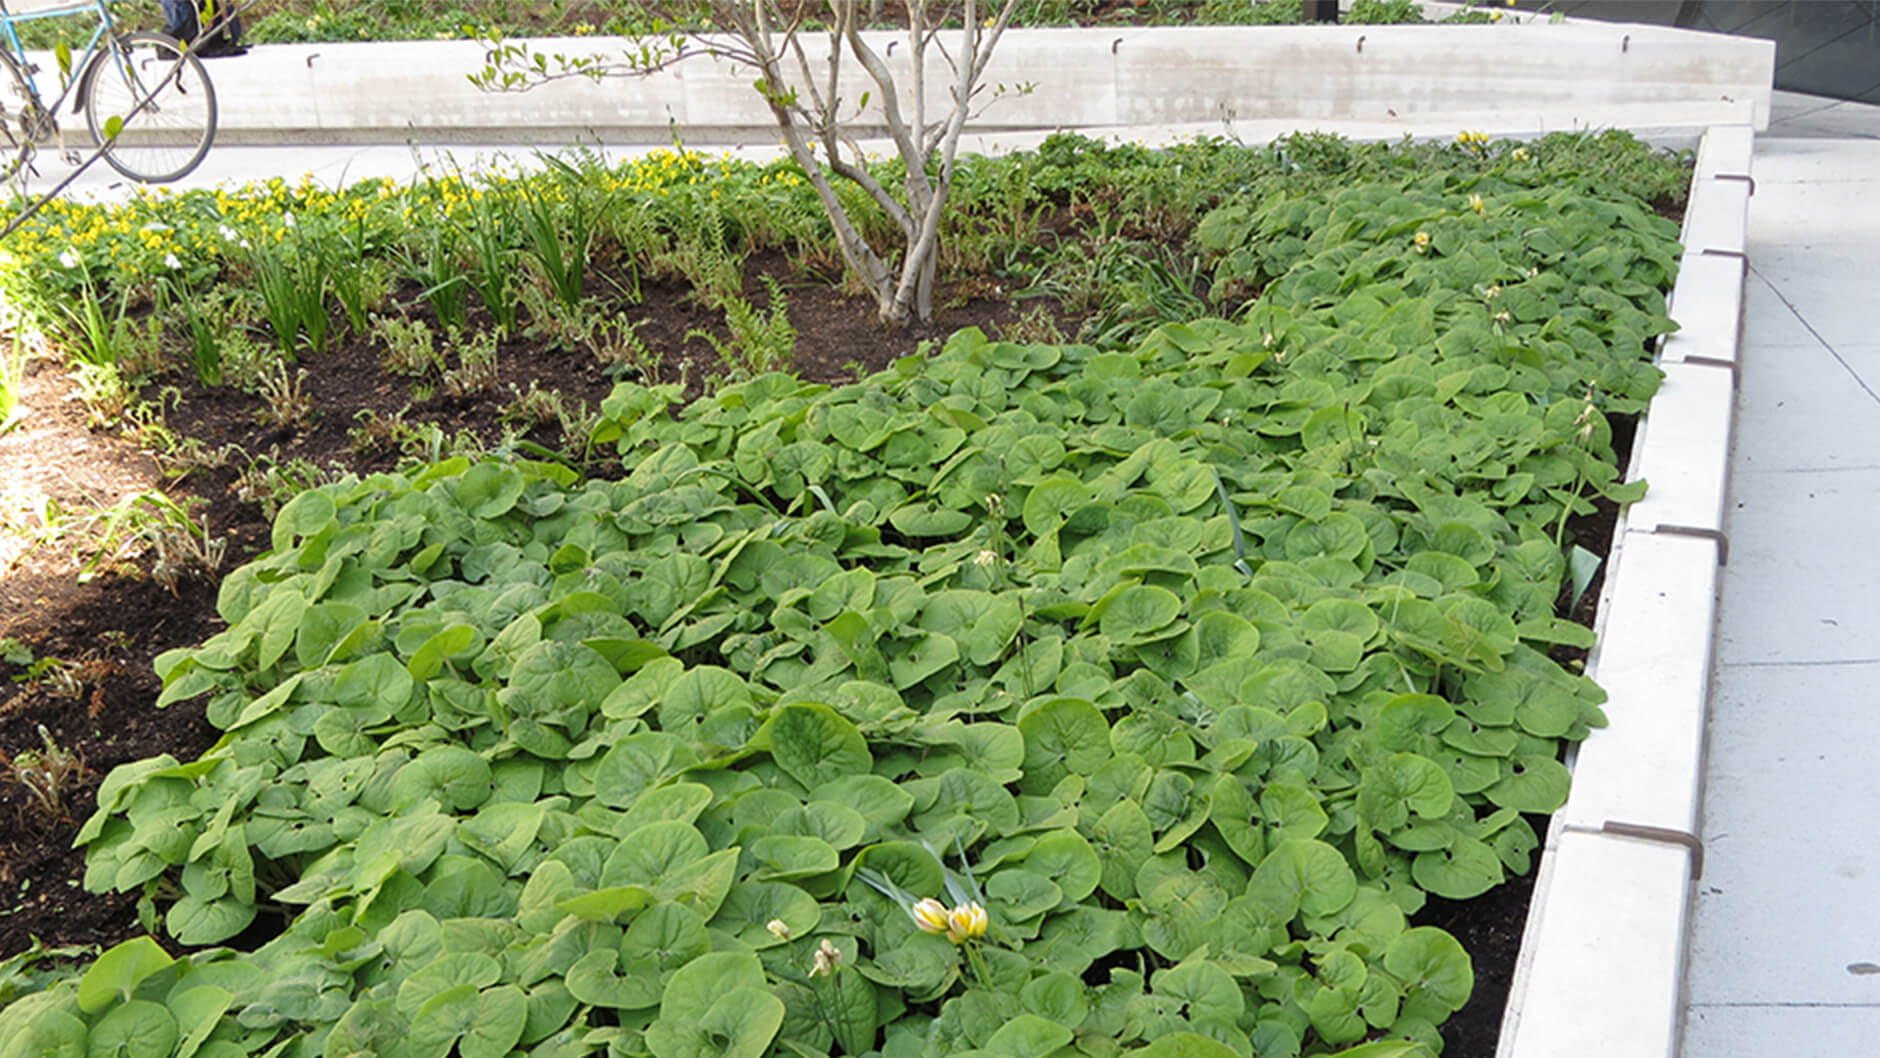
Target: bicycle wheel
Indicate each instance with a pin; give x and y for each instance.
(23, 122)
(151, 106)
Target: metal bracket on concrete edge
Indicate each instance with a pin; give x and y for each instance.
(1736, 373)
(1722, 541)
(1663, 835)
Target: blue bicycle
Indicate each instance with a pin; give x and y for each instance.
(147, 102)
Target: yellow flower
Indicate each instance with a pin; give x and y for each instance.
(1519, 154)
(1422, 241)
(930, 915)
(1475, 203)
(965, 922)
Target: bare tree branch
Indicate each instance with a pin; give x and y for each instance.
(808, 112)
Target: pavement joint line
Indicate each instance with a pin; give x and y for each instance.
(1799, 181)
(1865, 467)
(1825, 344)
(1792, 1004)
(1813, 664)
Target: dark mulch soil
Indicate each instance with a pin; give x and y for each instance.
(103, 634)
(1490, 928)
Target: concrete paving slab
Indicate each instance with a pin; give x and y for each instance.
(1808, 730)
(1806, 1031)
(1802, 563)
(1814, 214)
(1790, 308)
(1781, 159)
(1835, 315)
(1802, 408)
(1769, 321)
(1784, 955)
(1796, 114)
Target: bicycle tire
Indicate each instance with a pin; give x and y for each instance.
(23, 121)
(166, 138)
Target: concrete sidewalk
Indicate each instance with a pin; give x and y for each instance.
(1785, 942)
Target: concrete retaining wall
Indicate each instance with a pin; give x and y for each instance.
(1585, 74)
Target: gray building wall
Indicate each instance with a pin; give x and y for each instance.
(1827, 47)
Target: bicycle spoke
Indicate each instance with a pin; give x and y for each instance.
(154, 104)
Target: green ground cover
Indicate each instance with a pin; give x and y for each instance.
(1179, 665)
(316, 21)
(325, 20)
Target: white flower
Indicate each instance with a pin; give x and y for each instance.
(930, 915)
(985, 558)
(827, 958)
(70, 259)
(287, 219)
(228, 233)
(778, 928)
(170, 262)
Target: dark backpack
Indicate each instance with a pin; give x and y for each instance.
(224, 26)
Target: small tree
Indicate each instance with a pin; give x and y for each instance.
(809, 108)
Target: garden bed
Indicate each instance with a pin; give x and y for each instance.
(1118, 305)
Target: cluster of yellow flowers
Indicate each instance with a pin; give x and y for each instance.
(1473, 139)
(960, 924)
(65, 227)
(144, 234)
(449, 195)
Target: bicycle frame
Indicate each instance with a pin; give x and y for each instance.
(10, 39)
